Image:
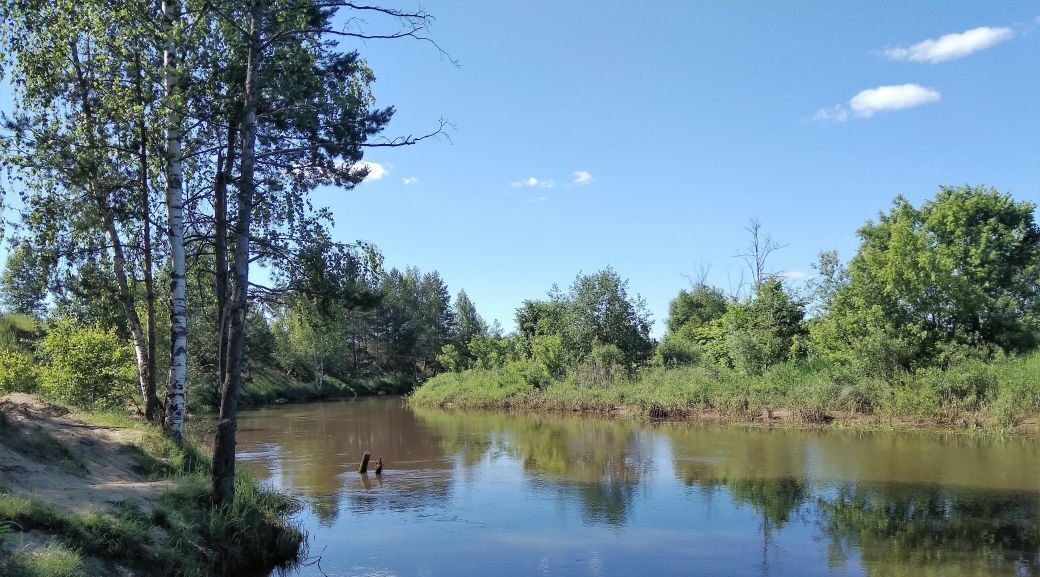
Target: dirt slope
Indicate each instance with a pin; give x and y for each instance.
(72, 465)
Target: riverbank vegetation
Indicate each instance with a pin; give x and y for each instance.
(935, 319)
(95, 493)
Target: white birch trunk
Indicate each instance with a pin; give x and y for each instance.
(175, 221)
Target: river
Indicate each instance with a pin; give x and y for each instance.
(487, 494)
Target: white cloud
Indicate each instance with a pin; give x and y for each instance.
(581, 177)
(533, 182)
(868, 102)
(951, 46)
(836, 113)
(409, 180)
(375, 170)
(796, 275)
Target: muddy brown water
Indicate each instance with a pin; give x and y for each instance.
(510, 495)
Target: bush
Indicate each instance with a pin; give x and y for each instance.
(86, 366)
(548, 351)
(18, 373)
(603, 368)
(679, 348)
(450, 359)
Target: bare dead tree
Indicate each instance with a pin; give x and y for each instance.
(699, 277)
(760, 246)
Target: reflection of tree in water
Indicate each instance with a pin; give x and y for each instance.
(760, 468)
(599, 461)
(775, 499)
(607, 504)
(913, 530)
(325, 509)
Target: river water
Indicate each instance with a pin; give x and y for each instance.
(488, 494)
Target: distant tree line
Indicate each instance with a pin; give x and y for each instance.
(955, 279)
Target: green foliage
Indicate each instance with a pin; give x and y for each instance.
(450, 359)
(962, 272)
(603, 367)
(18, 332)
(761, 334)
(601, 311)
(477, 388)
(490, 352)
(679, 348)
(18, 373)
(749, 336)
(86, 366)
(696, 308)
(596, 309)
(547, 350)
(468, 324)
(23, 283)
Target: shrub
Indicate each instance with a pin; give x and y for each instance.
(679, 349)
(86, 366)
(18, 373)
(450, 358)
(548, 351)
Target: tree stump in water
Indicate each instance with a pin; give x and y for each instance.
(379, 466)
(364, 463)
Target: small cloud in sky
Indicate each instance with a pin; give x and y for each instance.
(836, 113)
(537, 199)
(796, 275)
(581, 177)
(375, 170)
(951, 46)
(869, 102)
(409, 180)
(533, 182)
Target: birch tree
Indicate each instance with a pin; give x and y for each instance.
(175, 222)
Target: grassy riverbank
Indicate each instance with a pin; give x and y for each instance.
(266, 386)
(998, 395)
(102, 494)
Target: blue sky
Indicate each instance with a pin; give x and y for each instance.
(682, 120)
(685, 119)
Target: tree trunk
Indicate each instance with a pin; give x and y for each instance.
(225, 166)
(151, 400)
(126, 298)
(224, 441)
(175, 221)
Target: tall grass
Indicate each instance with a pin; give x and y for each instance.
(973, 393)
(53, 560)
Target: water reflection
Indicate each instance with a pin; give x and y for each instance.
(480, 493)
(900, 529)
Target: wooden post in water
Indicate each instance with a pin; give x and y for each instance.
(364, 463)
(379, 466)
